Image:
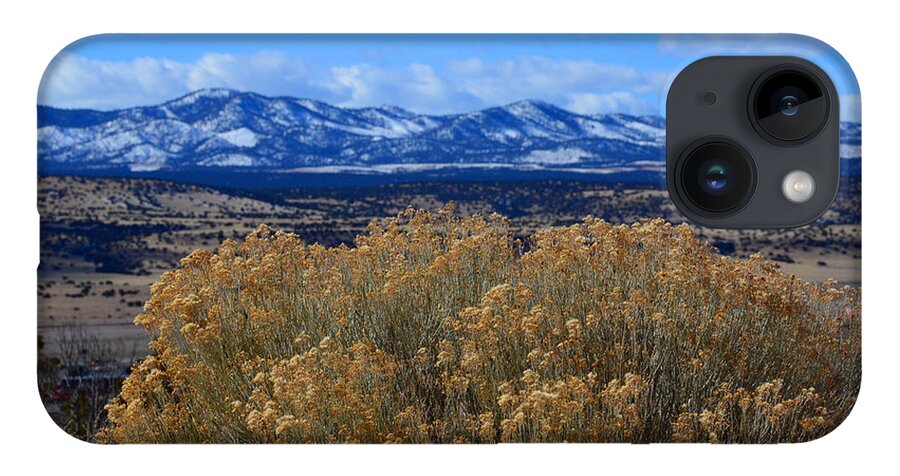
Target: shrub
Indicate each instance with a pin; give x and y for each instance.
(437, 328)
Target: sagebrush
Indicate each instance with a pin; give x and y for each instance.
(437, 328)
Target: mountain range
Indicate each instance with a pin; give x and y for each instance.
(222, 129)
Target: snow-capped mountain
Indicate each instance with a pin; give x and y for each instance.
(225, 128)
(222, 129)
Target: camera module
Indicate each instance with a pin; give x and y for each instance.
(764, 154)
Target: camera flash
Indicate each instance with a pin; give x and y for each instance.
(798, 186)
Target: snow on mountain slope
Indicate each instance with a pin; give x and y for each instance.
(225, 128)
(241, 137)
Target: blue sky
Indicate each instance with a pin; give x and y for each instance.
(427, 74)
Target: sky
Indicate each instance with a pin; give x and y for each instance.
(430, 74)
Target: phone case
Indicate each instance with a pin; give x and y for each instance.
(420, 239)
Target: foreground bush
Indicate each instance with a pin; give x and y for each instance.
(434, 328)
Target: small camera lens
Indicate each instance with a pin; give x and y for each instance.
(789, 104)
(716, 176)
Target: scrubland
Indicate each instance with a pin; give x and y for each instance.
(438, 328)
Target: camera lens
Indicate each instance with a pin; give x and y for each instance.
(789, 104)
(716, 176)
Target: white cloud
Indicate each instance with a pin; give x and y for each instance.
(416, 87)
(585, 86)
(73, 81)
(589, 86)
(618, 101)
(737, 44)
(851, 108)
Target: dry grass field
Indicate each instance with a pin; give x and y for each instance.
(436, 328)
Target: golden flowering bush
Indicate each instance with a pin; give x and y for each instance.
(436, 328)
